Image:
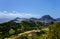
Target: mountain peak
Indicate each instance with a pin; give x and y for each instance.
(47, 18)
(46, 15)
(17, 18)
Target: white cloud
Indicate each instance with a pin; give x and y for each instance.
(6, 16)
(14, 14)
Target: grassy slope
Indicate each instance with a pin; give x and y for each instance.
(27, 32)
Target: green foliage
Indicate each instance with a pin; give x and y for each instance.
(11, 31)
(54, 32)
(11, 28)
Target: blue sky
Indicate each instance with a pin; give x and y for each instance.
(29, 8)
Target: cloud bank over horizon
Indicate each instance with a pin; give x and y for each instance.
(6, 16)
(13, 14)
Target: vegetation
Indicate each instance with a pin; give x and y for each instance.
(54, 31)
(29, 30)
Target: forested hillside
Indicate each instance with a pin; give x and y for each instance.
(29, 30)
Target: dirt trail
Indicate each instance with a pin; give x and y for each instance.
(27, 32)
